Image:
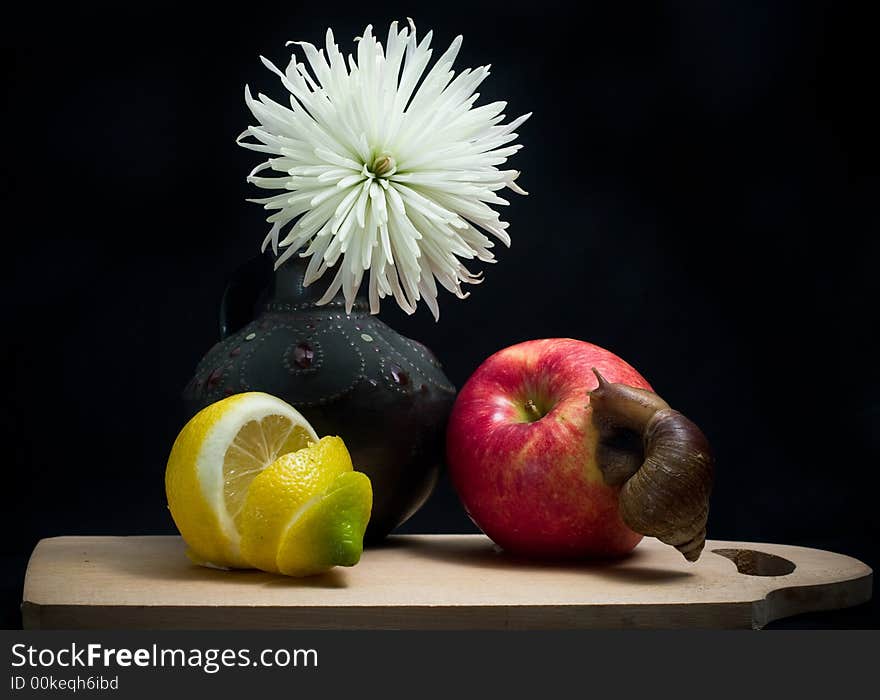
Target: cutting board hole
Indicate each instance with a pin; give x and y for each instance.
(754, 563)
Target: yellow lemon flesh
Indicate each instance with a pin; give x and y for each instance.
(213, 462)
(307, 512)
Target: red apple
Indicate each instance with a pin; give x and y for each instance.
(521, 449)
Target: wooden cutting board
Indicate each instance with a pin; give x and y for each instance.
(434, 582)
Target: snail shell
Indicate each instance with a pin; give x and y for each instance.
(661, 461)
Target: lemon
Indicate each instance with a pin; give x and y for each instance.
(307, 512)
(213, 462)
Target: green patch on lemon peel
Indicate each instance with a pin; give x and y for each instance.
(285, 490)
(330, 531)
(307, 512)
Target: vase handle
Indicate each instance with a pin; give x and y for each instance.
(247, 287)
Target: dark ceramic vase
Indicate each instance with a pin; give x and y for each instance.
(348, 374)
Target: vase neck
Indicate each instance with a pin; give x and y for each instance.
(287, 288)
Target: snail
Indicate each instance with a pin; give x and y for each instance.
(661, 461)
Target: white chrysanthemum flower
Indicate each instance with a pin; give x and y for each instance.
(385, 171)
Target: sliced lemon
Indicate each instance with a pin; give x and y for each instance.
(307, 512)
(213, 462)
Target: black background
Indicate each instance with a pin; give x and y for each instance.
(703, 182)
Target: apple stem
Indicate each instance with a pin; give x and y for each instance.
(532, 410)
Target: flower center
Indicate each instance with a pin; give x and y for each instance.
(383, 165)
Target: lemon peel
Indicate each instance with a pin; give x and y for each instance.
(307, 512)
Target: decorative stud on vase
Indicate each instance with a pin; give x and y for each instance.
(386, 169)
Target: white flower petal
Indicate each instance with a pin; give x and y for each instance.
(388, 167)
